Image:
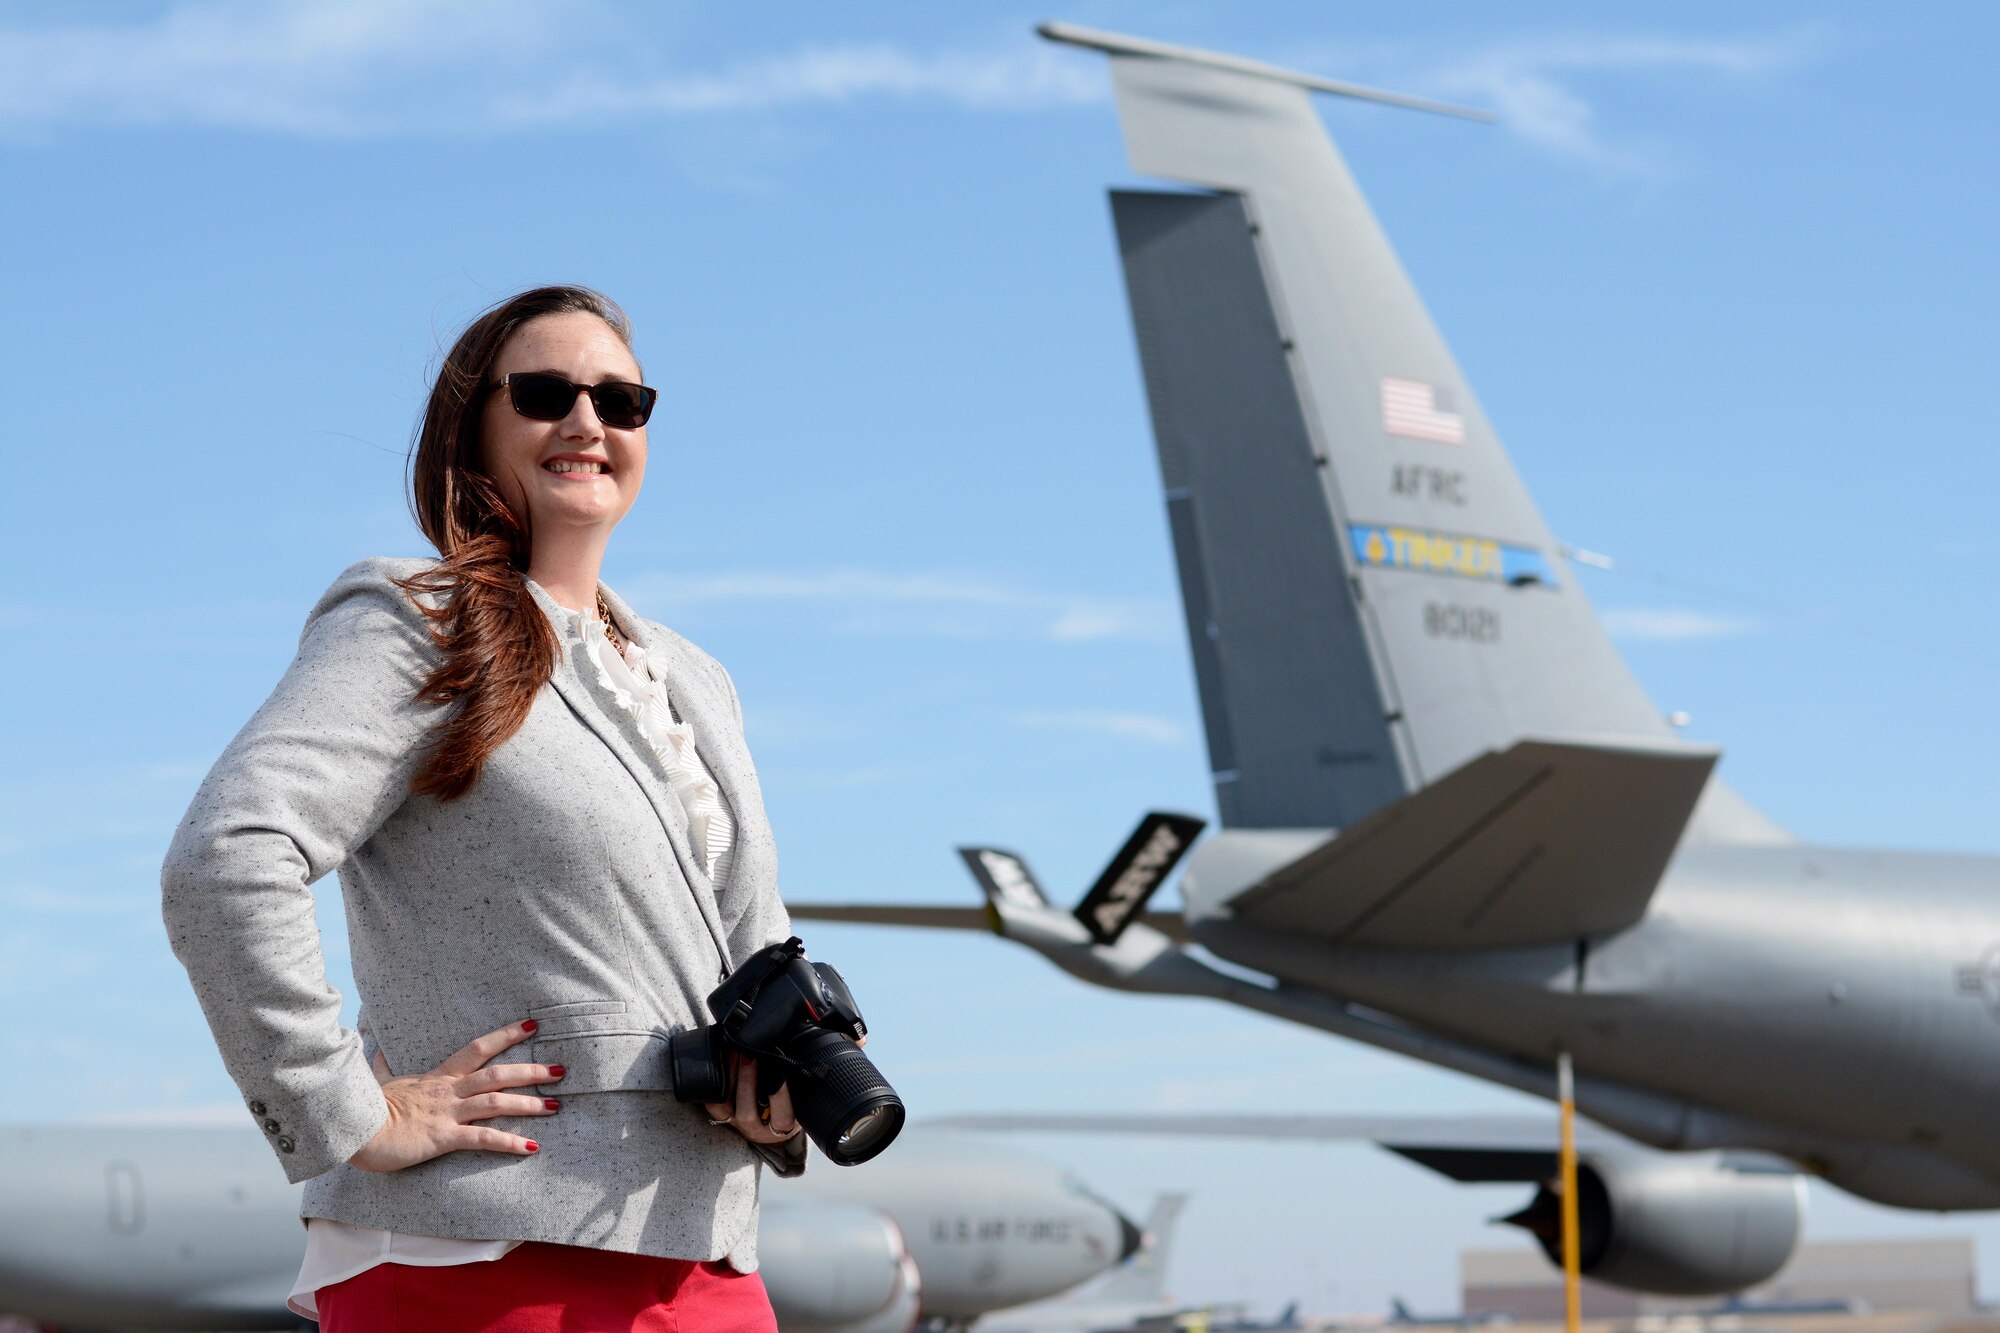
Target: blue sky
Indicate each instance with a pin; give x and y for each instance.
(1721, 276)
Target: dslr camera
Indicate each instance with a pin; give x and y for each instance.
(800, 1022)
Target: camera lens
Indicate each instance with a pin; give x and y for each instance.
(880, 1122)
(698, 1065)
(841, 1099)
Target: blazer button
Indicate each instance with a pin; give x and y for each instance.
(285, 1143)
(270, 1126)
(256, 1108)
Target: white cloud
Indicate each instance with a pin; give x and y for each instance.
(931, 605)
(377, 68)
(1127, 726)
(1532, 84)
(229, 1115)
(856, 779)
(777, 727)
(833, 584)
(34, 898)
(382, 68)
(1030, 79)
(1105, 621)
(1672, 625)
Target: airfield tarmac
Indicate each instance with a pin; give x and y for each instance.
(1886, 1321)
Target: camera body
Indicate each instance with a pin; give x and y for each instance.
(799, 1021)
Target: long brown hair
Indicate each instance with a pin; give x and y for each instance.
(499, 649)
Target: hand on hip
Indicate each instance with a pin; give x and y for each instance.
(435, 1113)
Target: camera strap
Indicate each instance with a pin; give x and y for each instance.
(772, 961)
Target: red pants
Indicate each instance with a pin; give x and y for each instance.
(538, 1288)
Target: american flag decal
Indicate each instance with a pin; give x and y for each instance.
(1419, 411)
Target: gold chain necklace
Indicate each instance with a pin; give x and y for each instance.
(610, 625)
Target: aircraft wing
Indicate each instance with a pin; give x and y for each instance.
(1471, 1149)
(1465, 1148)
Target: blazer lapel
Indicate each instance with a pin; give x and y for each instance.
(717, 739)
(621, 736)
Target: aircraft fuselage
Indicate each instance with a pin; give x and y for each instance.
(195, 1227)
(1868, 982)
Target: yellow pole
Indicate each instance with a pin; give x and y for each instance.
(1571, 1228)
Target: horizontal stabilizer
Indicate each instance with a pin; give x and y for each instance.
(1118, 44)
(1171, 924)
(894, 914)
(1541, 842)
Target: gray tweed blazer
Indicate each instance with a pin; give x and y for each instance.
(563, 887)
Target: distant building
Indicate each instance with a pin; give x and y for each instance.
(1879, 1275)
(1523, 1285)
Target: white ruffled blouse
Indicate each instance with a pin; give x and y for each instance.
(635, 681)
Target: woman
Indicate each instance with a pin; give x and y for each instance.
(551, 845)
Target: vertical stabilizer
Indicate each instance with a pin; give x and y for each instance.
(1290, 700)
(1372, 598)
(1143, 1278)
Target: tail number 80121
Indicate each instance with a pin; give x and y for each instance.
(1473, 624)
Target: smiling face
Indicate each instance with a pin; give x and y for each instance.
(577, 472)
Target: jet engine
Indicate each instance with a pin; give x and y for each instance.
(837, 1268)
(1679, 1226)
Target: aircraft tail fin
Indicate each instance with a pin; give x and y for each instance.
(1143, 1278)
(1372, 598)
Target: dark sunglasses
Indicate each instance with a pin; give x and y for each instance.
(540, 396)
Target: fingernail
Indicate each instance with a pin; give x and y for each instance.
(551, 1103)
(555, 1071)
(529, 1025)
(534, 1146)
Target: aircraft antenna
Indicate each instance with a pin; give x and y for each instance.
(1118, 44)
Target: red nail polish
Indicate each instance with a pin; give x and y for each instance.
(529, 1025)
(551, 1103)
(534, 1146)
(555, 1071)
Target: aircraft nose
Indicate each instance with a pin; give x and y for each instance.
(1130, 1238)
